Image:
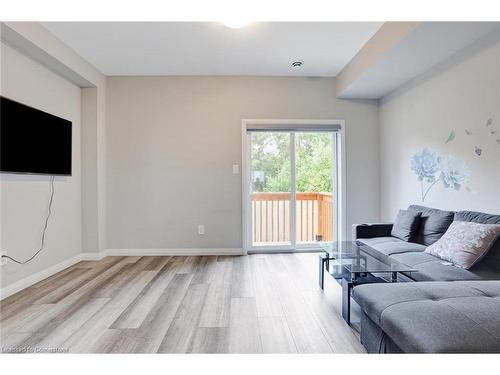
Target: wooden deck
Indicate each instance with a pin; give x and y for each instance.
(271, 217)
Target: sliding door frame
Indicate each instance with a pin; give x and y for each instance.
(338, 174)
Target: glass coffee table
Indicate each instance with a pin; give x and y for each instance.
(351, 264)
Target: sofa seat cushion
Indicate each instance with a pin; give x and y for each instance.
(392, 245)
(376, 298)
(436, 317)
(431, 268)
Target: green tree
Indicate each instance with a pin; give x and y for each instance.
(313, 155)
(271, 160)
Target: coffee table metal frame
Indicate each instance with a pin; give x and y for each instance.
(352, 268)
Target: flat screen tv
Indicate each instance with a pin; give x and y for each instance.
(33, 141)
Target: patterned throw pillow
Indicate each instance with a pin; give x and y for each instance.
(465, 243)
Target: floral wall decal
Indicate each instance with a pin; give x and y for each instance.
(425, 164)
(454, 172)
(431, 168)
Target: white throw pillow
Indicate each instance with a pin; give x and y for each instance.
(465, 243)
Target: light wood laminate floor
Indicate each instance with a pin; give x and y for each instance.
(196, 304)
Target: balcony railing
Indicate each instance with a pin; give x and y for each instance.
(271, 217)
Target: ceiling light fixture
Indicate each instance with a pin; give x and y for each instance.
(235, 23)
(297, 64)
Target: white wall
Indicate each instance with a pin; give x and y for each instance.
(90, 230)
(36, 42)
(461, 94)
(24, 198)
(171, 143)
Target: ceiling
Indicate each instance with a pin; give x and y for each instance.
(210, 48)
(430, 44)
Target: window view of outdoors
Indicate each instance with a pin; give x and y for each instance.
(270, 163)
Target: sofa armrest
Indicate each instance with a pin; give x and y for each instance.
(371, 230)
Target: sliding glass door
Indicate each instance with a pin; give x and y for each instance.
(291, 178)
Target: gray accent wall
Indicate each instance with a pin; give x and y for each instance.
(171, 143)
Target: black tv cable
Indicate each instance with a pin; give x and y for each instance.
(46, 223)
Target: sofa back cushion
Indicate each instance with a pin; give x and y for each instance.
(433, 223)
(477, 217)
(491, 261)
(406, 225)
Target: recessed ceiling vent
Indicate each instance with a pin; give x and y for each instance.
(297, 64)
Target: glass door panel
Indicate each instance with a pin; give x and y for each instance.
(270, 189)
(314, 187)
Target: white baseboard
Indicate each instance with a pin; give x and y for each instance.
(94, 256)
(174, 252)
(39, 276)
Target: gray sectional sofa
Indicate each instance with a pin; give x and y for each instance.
(448, 309)
(430, 317)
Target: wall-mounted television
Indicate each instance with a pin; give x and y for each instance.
(33, 141)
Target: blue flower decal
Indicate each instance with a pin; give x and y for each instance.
(425, 164)
(454, 172)
(430, 168)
